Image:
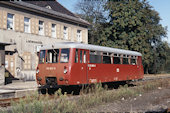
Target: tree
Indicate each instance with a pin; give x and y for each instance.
(134, 25)
(127, 24)
(167, 65)
(93, 12)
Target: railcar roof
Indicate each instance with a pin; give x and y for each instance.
(89, 47)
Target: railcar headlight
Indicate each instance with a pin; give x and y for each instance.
(65, 70)
(37, 71)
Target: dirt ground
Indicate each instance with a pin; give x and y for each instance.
(154, 101)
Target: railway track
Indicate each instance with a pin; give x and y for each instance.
(147, 78)
(7, 102)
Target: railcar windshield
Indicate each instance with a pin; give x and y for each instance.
(52, 56)
(64, 58)
(42, 57)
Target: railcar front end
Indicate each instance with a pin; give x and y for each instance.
(54, 68)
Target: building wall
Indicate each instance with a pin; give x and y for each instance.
(21, 59)
(34, 22)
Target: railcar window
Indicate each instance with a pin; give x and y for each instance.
(125, 61)
(52, 56)
(76, 56)
(116, 60)
(106, 60)
(64, 58)
(115, 55)
(110, 54)
(95, 58)
(104, 53)
(81, 60)
(42, 57)
(84, 57)
(92, 52)
(133, 61)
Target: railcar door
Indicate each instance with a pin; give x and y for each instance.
(80, 67)
(83, 63)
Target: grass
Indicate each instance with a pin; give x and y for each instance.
(95, 96)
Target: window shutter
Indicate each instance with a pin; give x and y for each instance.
(69, 33)
(32, 25)
(84, 36)
(21, 23)
(49, 29)
(16, 22)
(62, 32)
(58, 31)
(36, 26)
(72, 34)
(4, 20)
(75, 34)
(1, 19)
(46, 29)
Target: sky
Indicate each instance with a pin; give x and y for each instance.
(161, 6)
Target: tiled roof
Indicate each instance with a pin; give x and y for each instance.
(57, 10)
(54, 6)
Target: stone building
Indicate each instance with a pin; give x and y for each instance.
(31, 24)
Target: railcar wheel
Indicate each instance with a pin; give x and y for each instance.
(51, 91)
(43, 91)
(76, 90)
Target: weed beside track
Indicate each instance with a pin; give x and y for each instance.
(95, 96)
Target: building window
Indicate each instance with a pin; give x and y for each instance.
(49, 7)
(65, 33)
(53, 30)
(6, 64)
(26, 25)
(10, 21)
(41, 28)
(79, 36)
(27, 61)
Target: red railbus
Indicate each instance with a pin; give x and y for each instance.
(69, 63)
